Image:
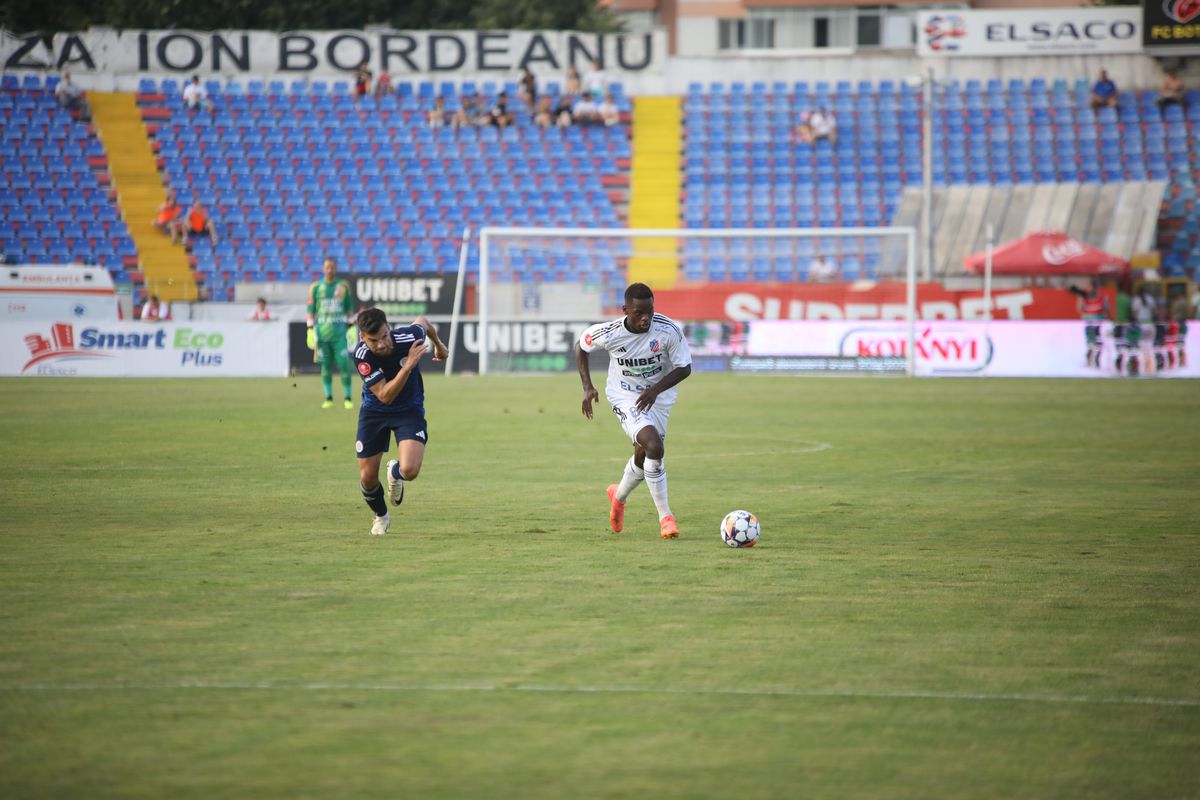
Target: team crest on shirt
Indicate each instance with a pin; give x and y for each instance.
(587, 339)
(364, 369)
(654, 345)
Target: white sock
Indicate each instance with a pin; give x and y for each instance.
(630, 480)
(656, 482)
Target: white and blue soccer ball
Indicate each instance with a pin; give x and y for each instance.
(740, 529)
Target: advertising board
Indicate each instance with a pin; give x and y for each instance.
(138, 349)
(1079, 30)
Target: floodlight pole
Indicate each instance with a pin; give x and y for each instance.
(927, 177)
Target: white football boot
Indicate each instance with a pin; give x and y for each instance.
(395, 486)
(381, 524)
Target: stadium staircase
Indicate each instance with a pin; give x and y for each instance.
(166, 270)
(655, 185)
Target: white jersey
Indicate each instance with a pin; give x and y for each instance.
(638, 360)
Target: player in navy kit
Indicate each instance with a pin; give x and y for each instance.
(393, 404)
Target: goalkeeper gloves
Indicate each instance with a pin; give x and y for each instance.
(311, 339)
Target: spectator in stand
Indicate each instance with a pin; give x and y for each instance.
(197, 223)
(436, 116)
(155, 311)
(362, 80)
(821, 270)
(168, 213)
(68, 94)
(608, 112)
(260, 313)
(383, 86)
(586, 111)
(195, 97)
(1196, 302)
(1171, 91)
(466, 110)
(817, 125)
(527, 89)
(1104, 93)
(564, 113)
(572, 85)
(543, 117)
(501, 117)
(595, 85)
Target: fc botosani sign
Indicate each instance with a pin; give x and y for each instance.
(126, 349)
(1045, 31)
(335, 53)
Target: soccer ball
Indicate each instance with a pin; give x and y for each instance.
(740, 529)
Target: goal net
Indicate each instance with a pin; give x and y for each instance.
(732, 289)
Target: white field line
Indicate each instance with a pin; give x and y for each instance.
(973, 697)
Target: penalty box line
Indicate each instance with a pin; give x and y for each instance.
(975, 697)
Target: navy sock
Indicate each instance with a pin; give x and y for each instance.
(374, 498)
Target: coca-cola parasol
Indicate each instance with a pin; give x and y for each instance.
(1047, 253)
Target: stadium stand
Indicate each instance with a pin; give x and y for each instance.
(1038, 152)
(54, 199)
(296, 172)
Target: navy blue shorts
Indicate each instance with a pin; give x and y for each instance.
(376, 428)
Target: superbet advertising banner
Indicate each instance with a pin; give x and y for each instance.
(740, 302)
(142, 349)
(992, 349)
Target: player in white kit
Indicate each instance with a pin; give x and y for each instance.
(648, 355)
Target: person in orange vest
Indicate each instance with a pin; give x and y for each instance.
(196, 223)
(168, 212)
(1093, 308)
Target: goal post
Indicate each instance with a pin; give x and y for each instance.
(569, 273)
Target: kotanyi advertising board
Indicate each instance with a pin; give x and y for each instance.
(1063, 349)
(140, 349)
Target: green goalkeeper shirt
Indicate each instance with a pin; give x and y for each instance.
(331, 306)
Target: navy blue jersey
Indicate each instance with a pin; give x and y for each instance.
(376, 369)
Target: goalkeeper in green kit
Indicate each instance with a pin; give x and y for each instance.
(330, 306)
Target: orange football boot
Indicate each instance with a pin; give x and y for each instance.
(668, 528)
(616, 510)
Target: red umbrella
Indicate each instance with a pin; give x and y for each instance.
(1048, 253)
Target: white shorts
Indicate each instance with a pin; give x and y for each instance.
(633, 420)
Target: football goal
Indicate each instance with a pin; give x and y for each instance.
(538, 287)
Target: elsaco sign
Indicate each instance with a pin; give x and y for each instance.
(1046, 31)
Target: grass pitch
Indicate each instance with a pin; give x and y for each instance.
(965, 588)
